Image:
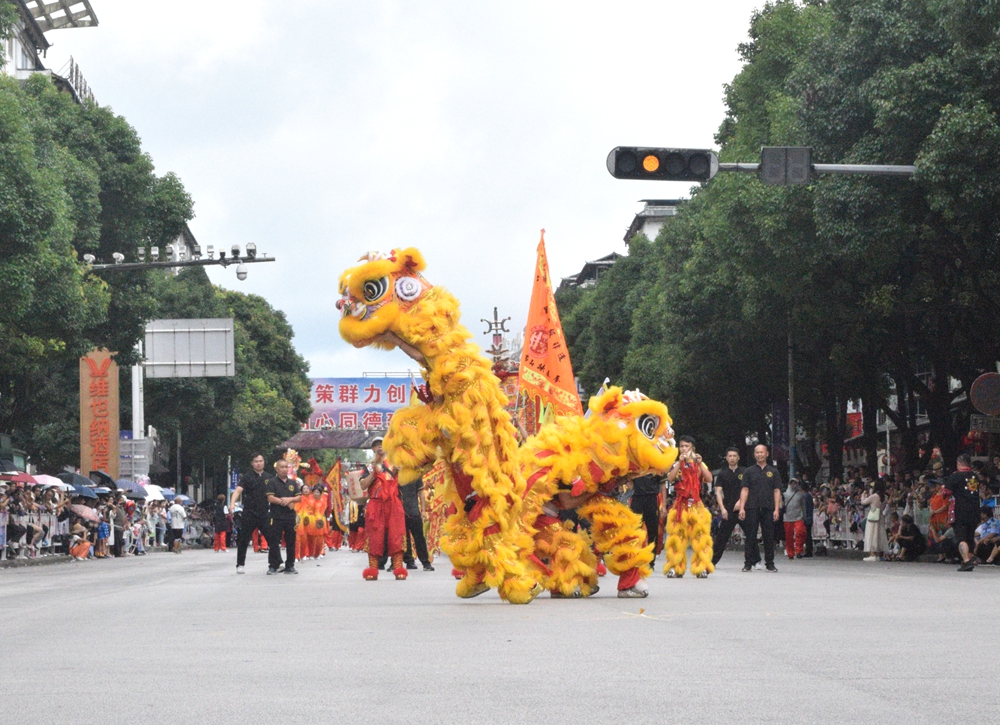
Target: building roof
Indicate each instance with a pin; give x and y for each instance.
(32, 29)
(591, 271)
(56, 14)
(309, 440)
(654, 209)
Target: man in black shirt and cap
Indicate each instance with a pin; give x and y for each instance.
(964, 486)
(645, 490)
(760, 506)
(728, 487)
(251, 489)
(282, 495)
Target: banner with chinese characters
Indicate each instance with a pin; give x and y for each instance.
(357, 403)
(98, 413)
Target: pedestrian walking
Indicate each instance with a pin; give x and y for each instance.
(282, 495)
(760, 507)
(728, 486)
(250, 489)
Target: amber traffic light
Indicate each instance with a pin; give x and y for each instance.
(659, 164)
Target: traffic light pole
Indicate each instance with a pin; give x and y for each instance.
(225, 262)
(844, 169)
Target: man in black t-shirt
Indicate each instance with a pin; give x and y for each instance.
(760, 506)
(282, 495)
(645, 490)
(251, 490)
(964, 486)
(728, 486)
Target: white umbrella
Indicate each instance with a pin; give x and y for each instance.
(52, 481)
(154, 493)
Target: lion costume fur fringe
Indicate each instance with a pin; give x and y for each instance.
(386, 302)
(626, 434)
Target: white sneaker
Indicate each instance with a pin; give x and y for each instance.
(758, 566)
(870, 558)
(239, 570)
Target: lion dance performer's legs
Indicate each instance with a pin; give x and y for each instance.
(689, 526)
(618, 535)
(564, 561)
(384, 524)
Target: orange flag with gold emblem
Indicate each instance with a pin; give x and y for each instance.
(546, 382)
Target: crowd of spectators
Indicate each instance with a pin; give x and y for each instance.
(903, 516)
(40, 520)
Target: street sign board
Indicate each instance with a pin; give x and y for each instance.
(200, 348)
(984, 423)
(985, 393)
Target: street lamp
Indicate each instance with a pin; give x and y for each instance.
(89, 258)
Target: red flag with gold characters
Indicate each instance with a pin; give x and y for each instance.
(546, 382)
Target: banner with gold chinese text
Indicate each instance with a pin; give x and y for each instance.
(546, 382)
(98, 413)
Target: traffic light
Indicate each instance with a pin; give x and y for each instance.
(785, 164)
(640, 162)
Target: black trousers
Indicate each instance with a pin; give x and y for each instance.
(273, 533)
(645, 505)
(118, 548)
(726, 528)
(809, 538)
(244, 535)
(415, 528)
(762, 518)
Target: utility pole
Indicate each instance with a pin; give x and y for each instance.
(791, 402)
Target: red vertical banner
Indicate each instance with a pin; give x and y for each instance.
(98, 413)
(546, 382)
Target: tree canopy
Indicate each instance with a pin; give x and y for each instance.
(888, 286)
(74, 180)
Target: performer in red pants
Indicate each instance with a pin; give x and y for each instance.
(385, 523)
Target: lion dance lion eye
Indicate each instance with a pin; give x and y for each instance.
(647, 425)
(375, 288)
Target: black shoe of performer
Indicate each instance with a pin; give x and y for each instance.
(411, 565)
(772, 568)
(427, 567)
(747, 567)
(271, 570)
(291, 570)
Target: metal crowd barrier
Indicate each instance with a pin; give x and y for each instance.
(44, 547)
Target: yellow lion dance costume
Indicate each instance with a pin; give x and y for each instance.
(689, 523)
(578, 463)
(386, 302)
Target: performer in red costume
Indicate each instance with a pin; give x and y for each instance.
(385, 523)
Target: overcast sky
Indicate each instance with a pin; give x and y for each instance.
(322, 130)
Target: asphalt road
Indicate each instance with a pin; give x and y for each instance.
(182, 638)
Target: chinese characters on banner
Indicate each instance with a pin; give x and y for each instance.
(98, 413)
(357, 403)
(546, 375)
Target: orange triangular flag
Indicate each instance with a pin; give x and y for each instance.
(546, 374)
